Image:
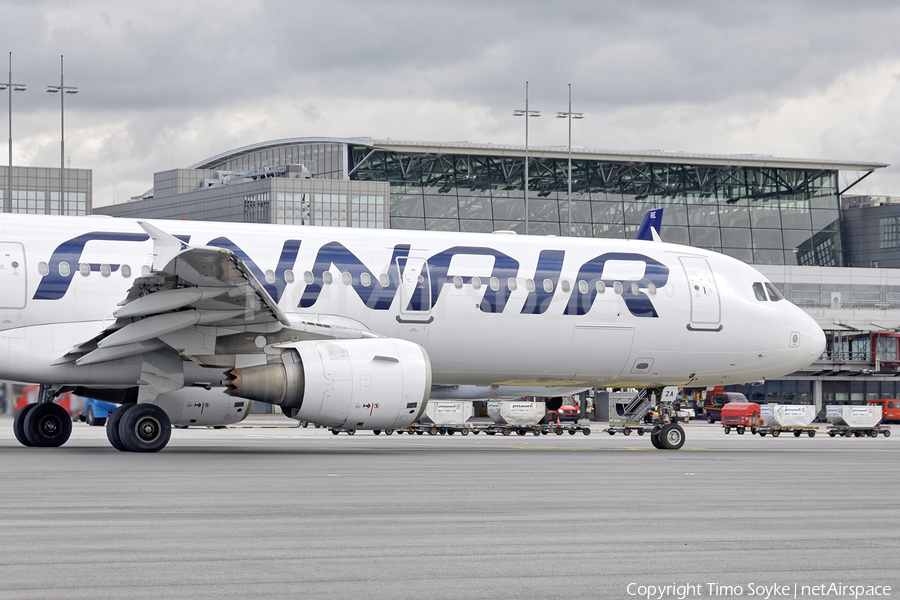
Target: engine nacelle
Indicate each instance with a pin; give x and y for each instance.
(202, 407)
(378, 383)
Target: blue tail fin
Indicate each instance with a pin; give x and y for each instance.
(652, 220)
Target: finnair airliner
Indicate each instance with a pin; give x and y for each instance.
(184, 323)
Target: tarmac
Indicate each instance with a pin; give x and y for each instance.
(271, 510)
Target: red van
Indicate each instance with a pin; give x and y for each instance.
(740, 416)
(890, 410)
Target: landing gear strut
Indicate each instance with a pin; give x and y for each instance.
(667, 434)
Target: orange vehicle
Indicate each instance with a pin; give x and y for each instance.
(890, 410)
(740, 415)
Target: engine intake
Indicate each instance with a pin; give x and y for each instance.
(361, 384)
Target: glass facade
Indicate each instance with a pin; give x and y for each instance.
(759, 215)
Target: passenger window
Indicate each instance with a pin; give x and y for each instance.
(774, 294)
(548, 286)
(308, 277)
(529, 285)
(289, 276)
(495, 283)
(583, 286)
(601, 287)
(512, 284)
(384, 280)
(758, 290)
(43, 268)
(565, 286)
(651, 289)
(476, 282)
(270, 276)
(84, 269)
(327, 278)
(365, 279)
(617, 287)
(457, 282)
(347, 278)
(105, 270)
(126, 271)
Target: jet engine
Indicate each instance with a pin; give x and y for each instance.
(378, 383)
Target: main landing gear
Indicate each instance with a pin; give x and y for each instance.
(138, 428)
(43, 425)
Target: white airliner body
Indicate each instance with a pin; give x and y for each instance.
(353, 327)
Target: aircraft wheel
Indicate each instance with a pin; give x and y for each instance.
(671, 437)
(47, 425)
(654, 438)
(145, 428)
(19, 425)
(112, 427)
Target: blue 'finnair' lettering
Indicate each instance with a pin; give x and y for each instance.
(549, 267)
(372, 290)
(374, 295)
(638, 303)
(285, 262)
(53, 285)
(494, 300)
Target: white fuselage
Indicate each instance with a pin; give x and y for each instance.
(490, 309)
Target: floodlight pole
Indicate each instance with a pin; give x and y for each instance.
(570, 115)
(12, 87)
(52, 89)
(526, 113)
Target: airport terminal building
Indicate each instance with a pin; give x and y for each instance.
(782, 215)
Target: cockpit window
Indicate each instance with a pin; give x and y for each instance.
(759, 291)
(774, 294)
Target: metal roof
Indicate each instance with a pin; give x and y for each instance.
(578, 153)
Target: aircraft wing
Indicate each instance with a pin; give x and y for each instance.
(204, 303)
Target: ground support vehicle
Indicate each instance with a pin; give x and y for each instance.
(629, 427)
(490, 428)
(741, 416)
(846, 431)
(775, 430)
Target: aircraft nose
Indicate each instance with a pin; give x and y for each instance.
(811, 336)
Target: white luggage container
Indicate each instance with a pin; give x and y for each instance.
(519, 412)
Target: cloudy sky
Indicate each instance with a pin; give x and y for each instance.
(166, 84)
